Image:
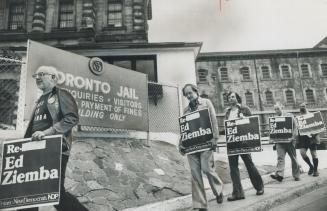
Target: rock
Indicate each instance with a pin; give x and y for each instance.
(93, 185)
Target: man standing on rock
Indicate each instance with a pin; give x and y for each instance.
(286, 147)
(202, 161)
(55, 113)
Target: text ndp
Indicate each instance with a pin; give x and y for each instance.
(10, 174)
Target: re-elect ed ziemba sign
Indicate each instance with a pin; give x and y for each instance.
(196, 131)
(30, 173)
(311, 123)
(281, 129)
(106, 95)
(242, 135)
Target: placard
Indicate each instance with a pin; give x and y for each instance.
(281, 129)
(311, 123)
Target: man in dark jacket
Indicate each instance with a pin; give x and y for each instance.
(55, 113)
(235, 111)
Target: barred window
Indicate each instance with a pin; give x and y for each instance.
(66, 14)
(289, 94)
(269, 97)
(224, 74)
(214, 76)
(305, 70)
(310, 96)
(245, 71)
(202, 75)
(249, 98)
(265, 72)
(115, 13)
(286, 72)
(225, 99)
(323, 69)
(16, 16)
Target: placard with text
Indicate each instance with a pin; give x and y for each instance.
(311, 123)
(243, 135)
(30, 174)
(281, 129)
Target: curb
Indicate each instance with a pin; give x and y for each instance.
(184, 202)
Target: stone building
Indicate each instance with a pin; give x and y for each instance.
(265, 77)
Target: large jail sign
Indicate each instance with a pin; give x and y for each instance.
(196, 131)
(311, 123)
(242, 135)
(106, 95)
(30, 174)
(281, 129)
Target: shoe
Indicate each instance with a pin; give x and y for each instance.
(297, 179)
(310, 171)
(220, 198)
(260, 192)
(276, 177)
(234, 198)
(315, 174)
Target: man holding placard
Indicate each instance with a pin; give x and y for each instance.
(200, 160)
(309, 125)
(282, 133)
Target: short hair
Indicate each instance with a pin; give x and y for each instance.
(194, 88)
(49, 69)
(303, 104)
(279, 104)
(238, 97)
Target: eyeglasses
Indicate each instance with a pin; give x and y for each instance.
(39, 75)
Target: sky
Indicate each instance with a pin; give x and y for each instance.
(240, 25)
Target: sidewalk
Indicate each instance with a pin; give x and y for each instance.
(275, 193)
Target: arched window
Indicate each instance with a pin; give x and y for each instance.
(245, 71)
(265, 71)
(202, 75)
(285, 71)
(269, 97)
(305, 70)
(223, 74)
(309, 94)
(225, 99)
(249, 98)
(289, 94)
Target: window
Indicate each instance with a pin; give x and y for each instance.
(249, 98)
(146, 64)
(16, 16)
(310, 96)
(115, 13)
(223, 74)
(269, 97)
(66, 14)
(214, 76)
(265, 70)
(225, 100)
(202, 75)
(245, 71)
(305, 70)
(323, 68)
(289, 94)
(286, 71)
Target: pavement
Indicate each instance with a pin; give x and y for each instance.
(276, 193)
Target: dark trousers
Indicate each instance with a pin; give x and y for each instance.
(67, 202)
(254, 175)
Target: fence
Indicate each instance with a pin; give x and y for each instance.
(10, 71)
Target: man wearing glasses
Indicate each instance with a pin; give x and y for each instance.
(55, 113)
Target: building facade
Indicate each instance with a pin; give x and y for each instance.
(263, 78)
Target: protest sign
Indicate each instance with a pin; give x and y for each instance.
(30, 174)
(281, 129)
(196, 131)
(311, 123)
(106, 95)
(242, 135)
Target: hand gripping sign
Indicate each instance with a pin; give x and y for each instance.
(281, 129)
(311, 123)
(30, 174)
(196, 131)
(242, 135)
